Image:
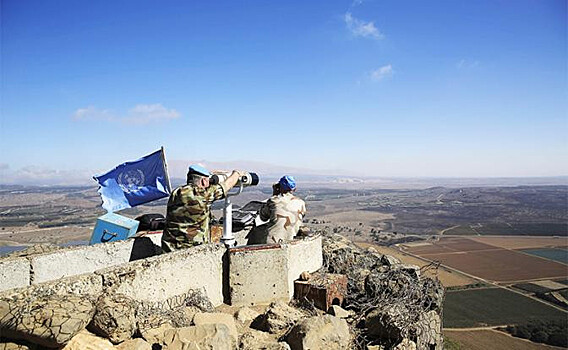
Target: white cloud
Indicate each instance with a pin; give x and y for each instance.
(382, 73)
(143, 114)
(93, 113)
(362, 28)
(467, 64)
(139, 114)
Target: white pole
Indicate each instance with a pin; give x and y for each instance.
(228, 236)
(166, 170)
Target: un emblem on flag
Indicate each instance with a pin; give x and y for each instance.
(131, 180)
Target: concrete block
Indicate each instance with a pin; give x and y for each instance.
(14, 273)
(303, 255)
(79, 260)
(258, 274)
(74, 261)
(162, 277)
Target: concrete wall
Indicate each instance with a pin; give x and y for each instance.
(258, 274)
(304, 255)
(253, 274)
(161, 277)
(14, 273)
(73, 261)
(263, 273)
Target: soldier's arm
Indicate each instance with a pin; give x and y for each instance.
(232, 180)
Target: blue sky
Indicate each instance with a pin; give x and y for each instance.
(378, 88)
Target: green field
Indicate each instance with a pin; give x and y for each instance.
(531, 288)
(556, 254)
(492, 307)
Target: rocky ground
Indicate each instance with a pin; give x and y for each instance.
(389, 305)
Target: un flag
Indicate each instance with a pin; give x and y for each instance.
(134, 183)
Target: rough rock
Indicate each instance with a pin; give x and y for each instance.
(216, 318)
(207, 336)
(337, 311)
(245, 314)
(152, 318)
(434, 294)
(12, 346)
(304, 276)
(51, 321)
(134, 344)
(387, 323)
(278, 317)
(35, 249)
(389, 260)
(320, 332)
(156, 335)
(87, 340)
(429, 331)
(406, 344)
(114, 318)
(412, 270)
(257, 340)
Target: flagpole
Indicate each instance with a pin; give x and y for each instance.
(166, 169)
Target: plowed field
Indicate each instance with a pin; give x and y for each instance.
(501, 265)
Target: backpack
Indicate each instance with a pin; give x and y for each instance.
(151, 222)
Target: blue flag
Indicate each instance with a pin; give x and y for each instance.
(134, 183)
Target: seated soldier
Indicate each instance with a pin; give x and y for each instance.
(284, 213)
(189, 209)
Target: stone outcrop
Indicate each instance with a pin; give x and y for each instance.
(87, 340)
(207, 336)
(134, 344)
(392, 299)
(320, 332)
(49, 321)
(115, 318)
(257, 340)
(278, 317)
(217, 318)
(245, 314)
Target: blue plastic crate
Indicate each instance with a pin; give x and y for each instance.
(113, 227)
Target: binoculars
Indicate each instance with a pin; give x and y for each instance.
(249, 179)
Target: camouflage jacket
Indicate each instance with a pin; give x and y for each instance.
(285, 213)
(189, 215)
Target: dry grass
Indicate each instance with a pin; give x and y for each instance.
(490, 339)
(447, 277)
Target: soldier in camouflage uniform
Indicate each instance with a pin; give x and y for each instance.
(284, 213)
(189, 209)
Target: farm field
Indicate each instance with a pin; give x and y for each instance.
(494, 307)
(490, 339)
(501, 265)
(529, 229)
(449, 245)
(520, 242)
(489, 262)
(556, 254)
(447, 277)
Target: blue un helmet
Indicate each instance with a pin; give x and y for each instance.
(199, 170)
(287, 183)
